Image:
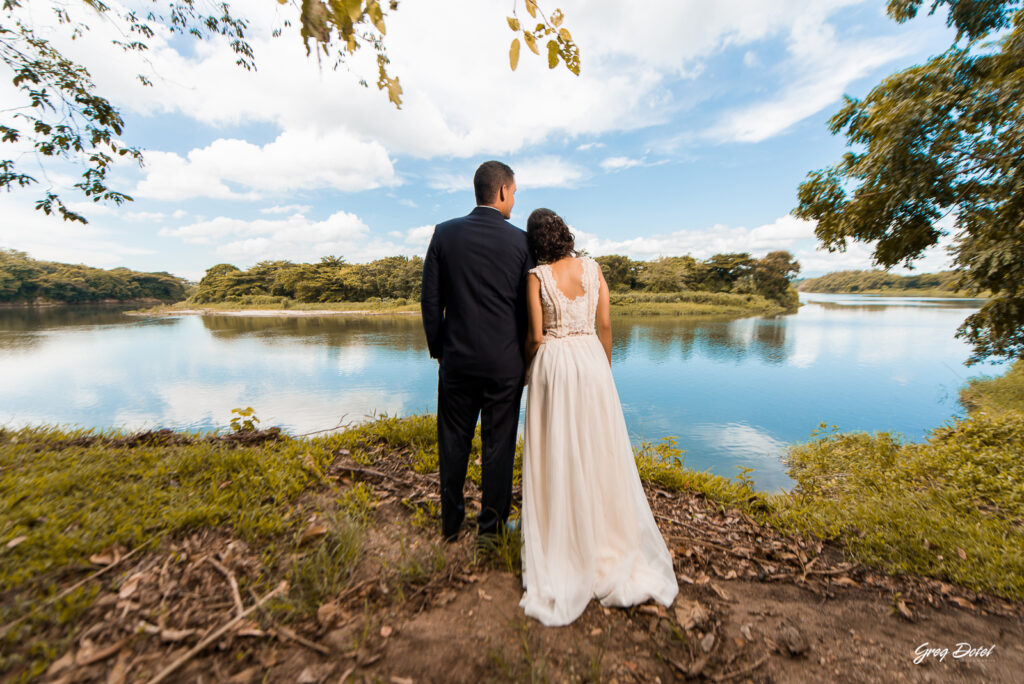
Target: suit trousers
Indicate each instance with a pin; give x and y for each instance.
(461, 398)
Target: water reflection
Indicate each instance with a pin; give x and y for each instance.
(734, 393)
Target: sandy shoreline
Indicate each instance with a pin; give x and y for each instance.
(272, 312)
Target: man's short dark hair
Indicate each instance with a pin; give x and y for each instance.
(489, 178)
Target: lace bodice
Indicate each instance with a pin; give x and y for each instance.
(564, 316)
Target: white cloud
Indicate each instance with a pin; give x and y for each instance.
(820, 69)
(419, 237)
(589, 146)
(298, 238)
(287, 209)
(144, 216)
(620, 163)
(547, 171)
(783, 233)
(296, 160)
(51, 238)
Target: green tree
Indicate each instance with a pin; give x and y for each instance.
(772, 274)
(943, 138)
(723, 270)
(63, 117)
(620, 272)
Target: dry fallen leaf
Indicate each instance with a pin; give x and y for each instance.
(708, 642)
(61, 664)
(483, 594)
(312, 532)
(175, 635)
(327, 613)
(962, 602)
(960, 552)
(721, 592)
(690, 614)
(595, 632)
(846, 582)
(901, 606)
(17, 540)
(130, 585)
(386, 631)
(105, 557)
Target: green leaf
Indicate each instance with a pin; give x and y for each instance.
(513, 54)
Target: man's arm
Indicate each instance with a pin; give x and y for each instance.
(522, 307)
(431, 300)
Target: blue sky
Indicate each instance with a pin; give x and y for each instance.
(688, 131)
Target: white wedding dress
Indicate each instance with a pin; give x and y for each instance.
(588, 531)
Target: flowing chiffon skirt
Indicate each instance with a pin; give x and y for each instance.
(588, 531)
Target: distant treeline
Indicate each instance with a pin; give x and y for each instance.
(330, 280)
(848, 282)
(24, 279)
(334, 280)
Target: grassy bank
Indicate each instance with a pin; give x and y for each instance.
(950, 508)
(685, 303)
(909, 292)
(692, 303)
(286, 305)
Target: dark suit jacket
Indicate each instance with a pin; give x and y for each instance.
(474, 294)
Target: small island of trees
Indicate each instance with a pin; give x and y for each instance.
(943, 283)
(24, 280)
(397, 278)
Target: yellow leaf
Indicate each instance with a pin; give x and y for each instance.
(395, 92)
(556, 18)
(531, 43)
(531, 7)
(376, 16)
(513, 23)
(565, 35)
(513, 54)
(552, 54)
(355, 9)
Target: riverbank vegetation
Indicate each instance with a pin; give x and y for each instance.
(879, 282)
(349, 521)
(24, 280)
(725, 284)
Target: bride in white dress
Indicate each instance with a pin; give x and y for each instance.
(588, 531)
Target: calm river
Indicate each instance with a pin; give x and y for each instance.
(733, 393)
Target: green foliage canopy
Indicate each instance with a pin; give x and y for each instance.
(846, 282)
(24, 279)
(943, 138)
(330, 280)
(769, 276)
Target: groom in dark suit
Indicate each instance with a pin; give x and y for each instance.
(474, 315)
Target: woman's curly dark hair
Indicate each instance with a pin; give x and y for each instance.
(549, 236)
